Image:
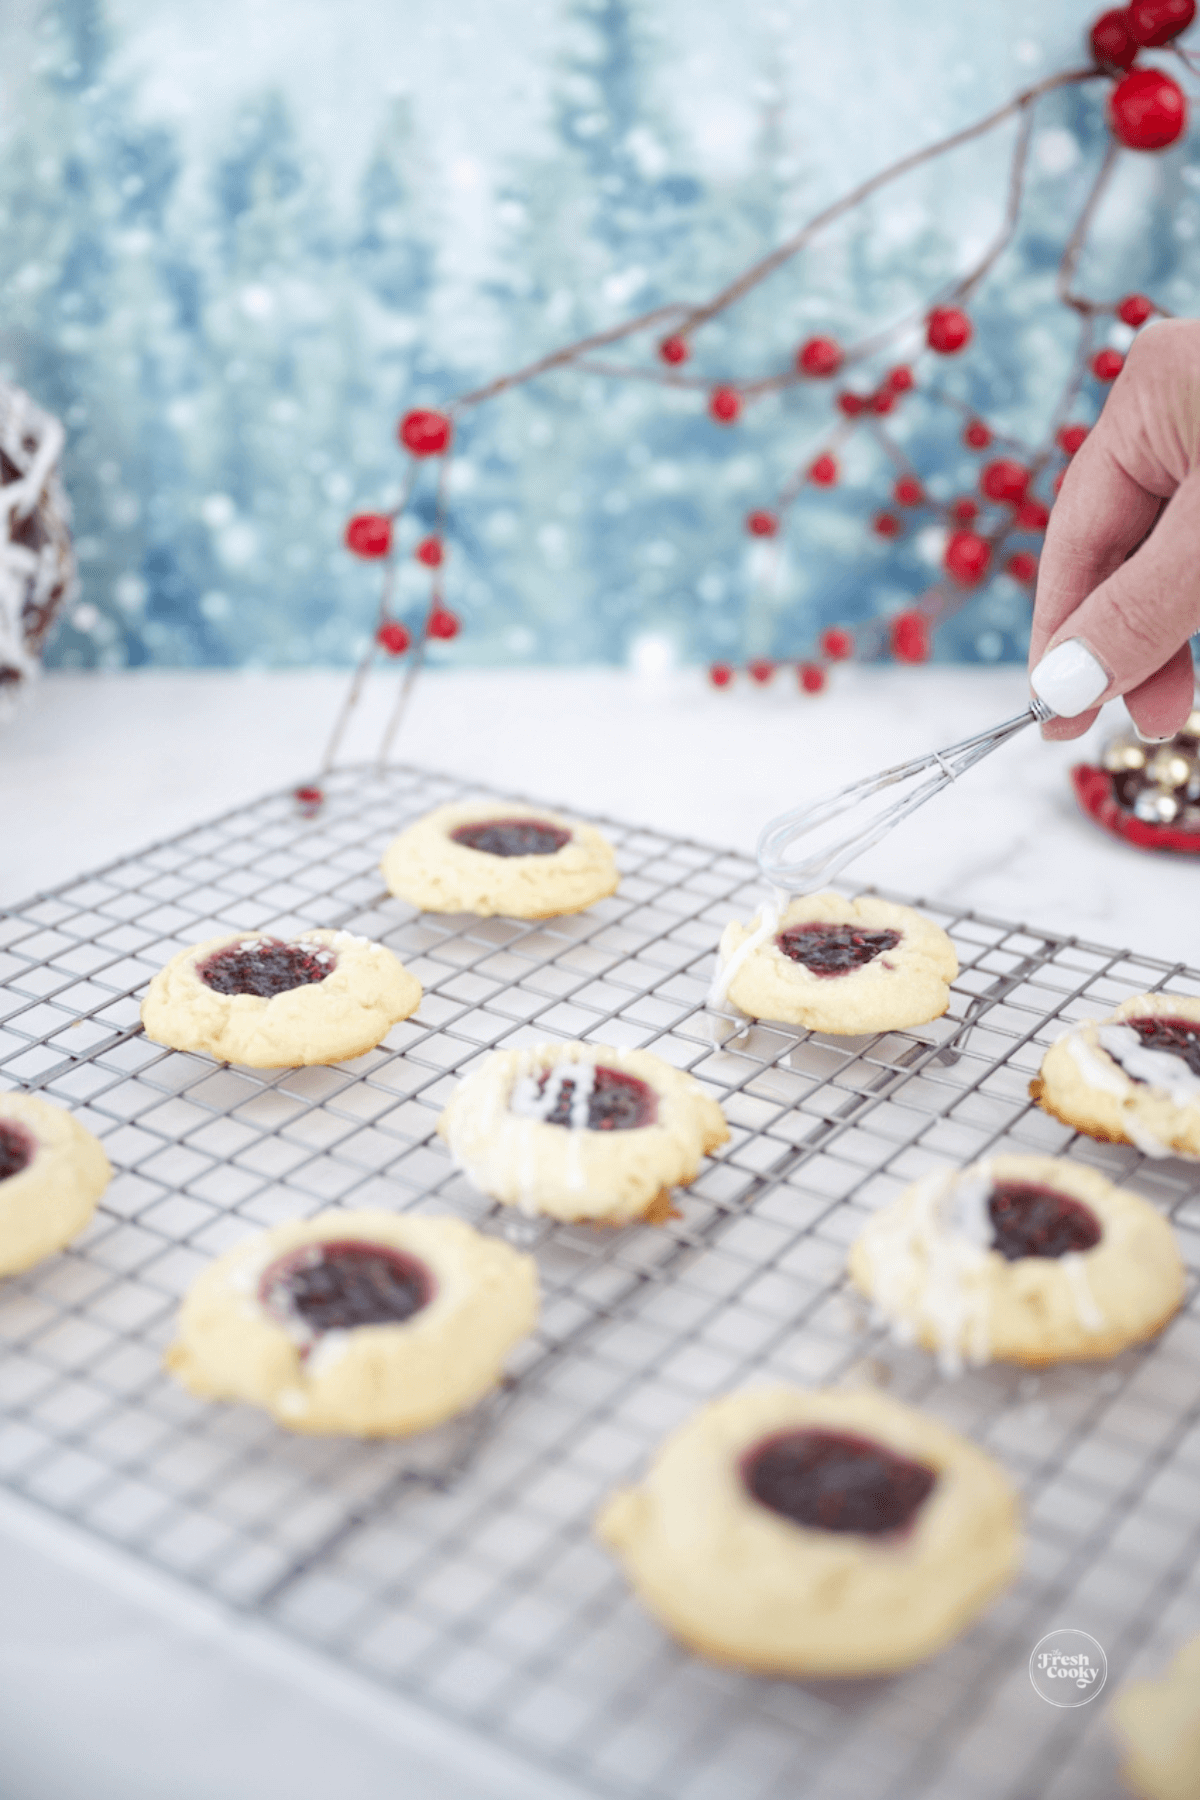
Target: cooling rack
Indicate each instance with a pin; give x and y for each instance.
(458, 1569)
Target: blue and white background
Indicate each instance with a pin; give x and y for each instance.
(237, 240)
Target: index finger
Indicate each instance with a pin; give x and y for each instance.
(1102, 514)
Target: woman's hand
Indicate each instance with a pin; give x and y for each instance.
(1105, 621)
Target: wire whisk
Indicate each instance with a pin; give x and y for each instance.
(823, 866)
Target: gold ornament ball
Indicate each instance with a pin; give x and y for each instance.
(1124, 754)
(1170, 768)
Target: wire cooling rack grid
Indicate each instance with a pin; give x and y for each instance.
(459, 1568)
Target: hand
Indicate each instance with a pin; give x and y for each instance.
(1134, 486)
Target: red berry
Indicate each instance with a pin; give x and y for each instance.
(882, 400)
(431, 552)
(1147, 110)
(947, 330)
(425, 433)
(393, 638)
(1071, 437)
(819, 356)
(887, 525)
(811, 677)
(1135, 309)
(442, 624)
(674, 350)
(910, 637)
(823, 470)
(976, 435)
(967, 557)
(1111, 40)
(851, 404)
(369, 534)
(724, 405)
(1022, 565)
(964, 510)
(720, 675)
(762, 523)
(1107, 365)
(908, 492)
(1155, 22)
(837, 644)
(761, 670)
(309, 796)
(1032, 515)
(900, 379)
(1004, 481)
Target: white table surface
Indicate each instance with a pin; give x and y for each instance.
(111, 1685)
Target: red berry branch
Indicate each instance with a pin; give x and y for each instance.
(1146, 111)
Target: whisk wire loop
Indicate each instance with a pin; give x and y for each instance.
(823, 865)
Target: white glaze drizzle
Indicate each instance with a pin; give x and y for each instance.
(527, 1199)
(943, 1233)
(329, 1348)
(490, 1105)
(946, 1235)
(1160, 1069)
(531, 1100)
(1086, 1310)
(1096, 1071)
(723, 974)
(518, 1110)
(1101, 1071)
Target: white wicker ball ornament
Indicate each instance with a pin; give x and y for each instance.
(37, 560)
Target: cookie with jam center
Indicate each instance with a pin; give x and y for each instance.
(52, 1173)
(581, 1131)
(500, 857)
(1023, 1259)
(847, 967)
(280, 1003)
(1131, 1078)
(815, 1533)
(368, 1323)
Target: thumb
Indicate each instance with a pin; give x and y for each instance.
(1130, 635)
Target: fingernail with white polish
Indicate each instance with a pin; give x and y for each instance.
(1069, 678)
(1147, 739)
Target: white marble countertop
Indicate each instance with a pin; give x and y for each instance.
(160, 1699)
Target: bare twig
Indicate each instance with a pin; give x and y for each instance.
(767, 265)
(570, 353)
(1078, 237)
(1016, 190)
(368, 656)
(416, 661)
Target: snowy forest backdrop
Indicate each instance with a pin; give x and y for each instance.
(235, 244)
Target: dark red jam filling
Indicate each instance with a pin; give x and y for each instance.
(834, 949)
(1177, 1037)
(16, 1149)
(512, 837)
(271, 967)
(1028, 1220)
(837, 1481)
(616, 1103)
(338, 1285)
